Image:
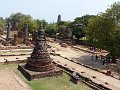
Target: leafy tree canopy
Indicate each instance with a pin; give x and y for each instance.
(103, 31)
(79, 24)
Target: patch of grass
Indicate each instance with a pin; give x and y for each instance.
(56, 83)
(10, 66)
(50, 83)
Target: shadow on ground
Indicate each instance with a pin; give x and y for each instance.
(86, 59)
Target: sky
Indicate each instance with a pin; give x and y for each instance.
(50, 9)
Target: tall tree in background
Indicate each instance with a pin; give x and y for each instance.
(79, 24)
(52, 29)
(19, 20)
(2, 22)
(2, 25)
(104, 31)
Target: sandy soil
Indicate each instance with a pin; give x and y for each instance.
(10, 81)
(80, 56)
(85, 58)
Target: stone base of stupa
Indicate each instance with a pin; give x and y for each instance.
(33, 75)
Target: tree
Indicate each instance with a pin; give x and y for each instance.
(104, 31)
(44, 23)
(2, 25)
(113, 11)
(15, 19)
(52, 29)
(79, 24)
(19, 20)
(26, 19)
(63, 23)
(2, 22)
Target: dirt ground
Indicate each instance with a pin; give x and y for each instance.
(86, 59)
(113, 84)
(10, 81)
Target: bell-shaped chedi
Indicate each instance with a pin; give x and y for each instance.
(39, 64)
(40, 59)
(66, 35)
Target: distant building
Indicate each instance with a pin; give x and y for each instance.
(59, 18)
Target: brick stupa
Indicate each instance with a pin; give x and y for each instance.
(66, 35)
(39, 64)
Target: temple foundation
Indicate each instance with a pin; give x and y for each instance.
(33, 75)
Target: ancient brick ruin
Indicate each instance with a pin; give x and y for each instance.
(66, 36)
(39, 64)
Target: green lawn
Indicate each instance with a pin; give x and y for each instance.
(50, 83)
(57, 83)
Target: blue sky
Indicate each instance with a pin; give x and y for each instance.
(49, 9)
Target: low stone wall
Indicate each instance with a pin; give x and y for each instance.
(14, 62)
(95, 69)
(9, 48)
(88, 51)
(14, 55)
(85, 80)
